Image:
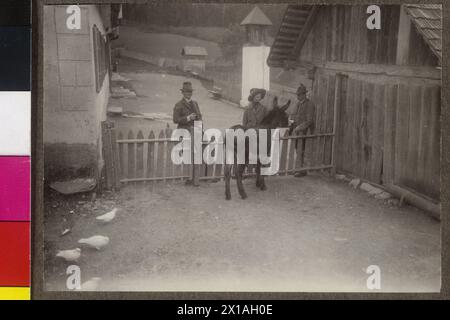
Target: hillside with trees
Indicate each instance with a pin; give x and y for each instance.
(199, 15)
(219, 23)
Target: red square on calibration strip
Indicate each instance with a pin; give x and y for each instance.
(14, 254)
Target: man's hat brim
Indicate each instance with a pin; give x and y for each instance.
(254, 92)
(262, 92)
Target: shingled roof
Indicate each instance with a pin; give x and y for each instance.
(428, 20)
(256, 17)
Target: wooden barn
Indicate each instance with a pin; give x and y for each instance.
(194, 58)
(377, 91)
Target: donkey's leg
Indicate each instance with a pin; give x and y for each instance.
(258, 175)
(262, 182)
(239, 172)
(227, 174)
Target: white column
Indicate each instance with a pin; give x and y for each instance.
(255, 71)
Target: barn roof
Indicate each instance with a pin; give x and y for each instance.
(298, 20)
(428, 20)
(256, 16)
(194, 51)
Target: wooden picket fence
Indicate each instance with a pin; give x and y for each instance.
(135, 157)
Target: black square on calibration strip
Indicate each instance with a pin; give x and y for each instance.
(15, 58)
(15, 13)
(15, 45)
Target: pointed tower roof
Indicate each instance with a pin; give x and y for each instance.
(256, 16)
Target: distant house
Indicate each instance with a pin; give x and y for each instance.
(76, 87)
(384, 85)
(194, 58)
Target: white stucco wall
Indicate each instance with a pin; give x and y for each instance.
(255, 71)
(101, 98)
(72, 108)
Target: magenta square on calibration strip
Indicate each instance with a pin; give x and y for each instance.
(14, 188)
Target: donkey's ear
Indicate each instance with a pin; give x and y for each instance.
(284, 108)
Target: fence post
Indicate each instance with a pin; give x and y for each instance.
(116, 159)
(195, 168)
(336, 105)
(110, 155)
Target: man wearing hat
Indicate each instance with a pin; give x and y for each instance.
(185, 112)
(255, 112)
(303, 119)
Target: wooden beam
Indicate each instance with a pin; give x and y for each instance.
(289, 30)
(417, 200)
(280, 43)
(154, 179)
(293, 64)
(274, 63)
(403, 37)
(288, 39)
(420, 201)
(305, 31)
(294, 11)
(296, 26)
(336, 106)
(280, 50)
(382, 69)
(295, 19)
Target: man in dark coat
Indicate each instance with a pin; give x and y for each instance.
(185, 112)
(303, 118)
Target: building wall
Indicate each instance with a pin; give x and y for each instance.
(73, 109)
(340, 35)
(387, 128)
(387, 116)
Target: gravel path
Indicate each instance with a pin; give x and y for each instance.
(308, 234)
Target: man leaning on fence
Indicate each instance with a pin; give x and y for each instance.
(303, 118)
(185, 112)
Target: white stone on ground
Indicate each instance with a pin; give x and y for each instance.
(383, 195)
(366, 187)
(355, 183)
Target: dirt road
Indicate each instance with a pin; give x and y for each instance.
(308, 234)
(158, 90)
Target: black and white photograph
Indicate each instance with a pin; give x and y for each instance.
(242, 147)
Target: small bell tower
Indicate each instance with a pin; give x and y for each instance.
(255, 71)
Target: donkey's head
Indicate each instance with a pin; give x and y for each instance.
(277, 117)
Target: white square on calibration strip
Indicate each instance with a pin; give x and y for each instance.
(15, 122)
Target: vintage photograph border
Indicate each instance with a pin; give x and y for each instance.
(37, 253)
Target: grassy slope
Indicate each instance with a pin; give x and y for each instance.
(163, 44)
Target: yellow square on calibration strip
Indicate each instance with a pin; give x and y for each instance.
(14, 293)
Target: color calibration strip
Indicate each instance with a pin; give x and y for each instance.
(15, 150)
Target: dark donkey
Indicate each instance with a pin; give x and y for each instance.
(275, 118)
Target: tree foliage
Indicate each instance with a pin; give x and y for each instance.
(199, 14)
(232, 42)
